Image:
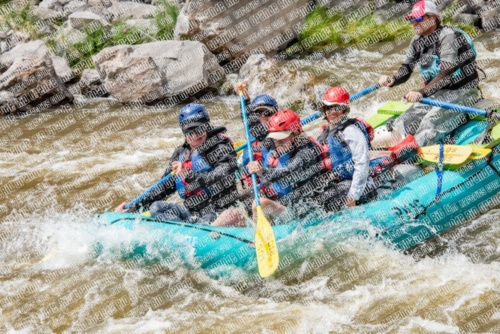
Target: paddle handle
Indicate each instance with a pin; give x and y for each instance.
(149, 191)
(364, 92)
(249, 147)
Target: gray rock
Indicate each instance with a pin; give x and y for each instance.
(5, 34)
(466, 19)
(100, 3)
(45, 30)
(51, 4)
(84, 20)
(90, 85)
(147, 26)
(476, 5)
(490, 18)
(234, 29)
(443, 4)
(75, 6)
(69, 34)
(22, 3)
(134, 10)
(90, 76)
(151, 72)
(45, 13)
(28, 74)
(7, 101)
(62, 69)
(12, 39)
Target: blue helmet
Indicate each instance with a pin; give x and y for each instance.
(192, 115)
(263, 100)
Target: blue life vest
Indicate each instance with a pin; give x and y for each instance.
(340, 153)
(274, 189)
(196, 164)
(430, 62)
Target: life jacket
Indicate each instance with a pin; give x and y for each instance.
(340, 155)
(430, 60)
(258, 151)
(194, 161)
(275, 189)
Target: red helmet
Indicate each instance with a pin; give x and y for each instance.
(336, 95)
(284, 120)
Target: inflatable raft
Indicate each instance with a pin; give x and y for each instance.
(406, 212)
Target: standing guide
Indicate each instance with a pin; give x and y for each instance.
(448, 69)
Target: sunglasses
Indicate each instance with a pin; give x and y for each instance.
(336, 108)
(195, 131)
(264, 111)
(417, 19)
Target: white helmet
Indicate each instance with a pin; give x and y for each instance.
(384, 137)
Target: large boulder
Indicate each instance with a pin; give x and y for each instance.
(151, 72)
(232, 29)
(291, 85)
(27, 72)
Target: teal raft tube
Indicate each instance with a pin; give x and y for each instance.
(403, 216)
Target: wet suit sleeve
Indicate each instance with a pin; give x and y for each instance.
(166, 189)
(356, 141)
(301, 167)
(404, 72)
(223, 159)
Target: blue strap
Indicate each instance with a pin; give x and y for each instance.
(439, 171)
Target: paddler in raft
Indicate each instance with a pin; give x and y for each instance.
(259, 110)
(347, 141)
(448, 69)
(204, 168)
(287, 172)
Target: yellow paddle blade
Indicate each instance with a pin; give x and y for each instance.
(265, 246)
(238, 144)
(146, 214)
(479, 153)
(453, 154)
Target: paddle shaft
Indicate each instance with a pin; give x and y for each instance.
(149, 191)
(456, 107)
(249, 147)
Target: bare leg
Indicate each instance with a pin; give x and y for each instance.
(270, 208)
(231, 217)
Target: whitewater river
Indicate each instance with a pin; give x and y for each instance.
(62, 167)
